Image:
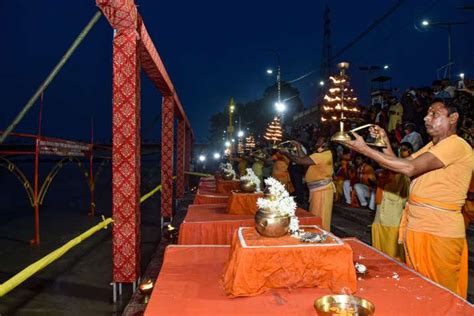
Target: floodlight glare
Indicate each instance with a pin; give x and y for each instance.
(280, 106)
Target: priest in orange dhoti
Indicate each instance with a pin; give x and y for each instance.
(432, 226)
(318, 178)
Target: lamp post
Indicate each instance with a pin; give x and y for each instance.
(279, 104)
(448, 27)
(230, 128)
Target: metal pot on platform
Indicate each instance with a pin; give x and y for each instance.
(248, 186)
(270, 223)
(227, 175)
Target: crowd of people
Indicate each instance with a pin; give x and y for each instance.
(418, 187)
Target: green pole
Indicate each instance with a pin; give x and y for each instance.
(50, 77)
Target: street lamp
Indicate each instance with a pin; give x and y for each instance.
(217, 156)
(202, 158)
(386, 67)
(240, 134)
(280, 107)
(321, 83)
(445, 26)
(230, 128)
(270, 71)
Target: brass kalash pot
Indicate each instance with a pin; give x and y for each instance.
(248, 186)
(270, 223)
(227, 175)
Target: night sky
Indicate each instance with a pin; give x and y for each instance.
(213, 50)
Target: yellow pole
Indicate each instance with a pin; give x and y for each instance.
(51, 76)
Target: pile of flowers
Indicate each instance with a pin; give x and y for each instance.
(251, 177)
(227, 168)
(281, 202)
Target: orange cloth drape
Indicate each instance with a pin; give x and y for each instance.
(212, 225)
(243, 203)
(206, 193)
(209, 196)
(188, 284)
(257, 264)
(226, 186)
(468, 208)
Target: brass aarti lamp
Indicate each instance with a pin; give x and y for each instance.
(343, 136)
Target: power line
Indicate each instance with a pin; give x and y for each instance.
(370, 28)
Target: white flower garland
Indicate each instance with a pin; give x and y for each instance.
(250, 176)
(283, 203)
(227, 167)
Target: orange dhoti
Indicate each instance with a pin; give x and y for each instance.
(442, 259)
(320, 203)
(435, 244)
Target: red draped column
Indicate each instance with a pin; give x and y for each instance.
(181, 140)
(187, 155)
(167, 147)
(126, 157)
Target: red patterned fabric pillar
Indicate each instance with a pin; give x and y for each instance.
(187, 155)
(126, 157)
(180, 141)
(167, 147)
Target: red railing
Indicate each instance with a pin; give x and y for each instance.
(48, 146)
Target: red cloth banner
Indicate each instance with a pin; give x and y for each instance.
(126, 157)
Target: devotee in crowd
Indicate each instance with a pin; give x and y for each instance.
(296, 175)
(342, 173)
(395, 114)
(242, 164)
(362, 181)
(318, 179)
(380, 115)
(468, 208)
(432, 227)
(257, 158)
(412, 137)
(390, 198)
(448, 87)
(280, 170)
(438, 91)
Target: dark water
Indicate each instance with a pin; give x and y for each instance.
(79, 282)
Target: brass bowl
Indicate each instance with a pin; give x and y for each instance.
(227, 176)
(347, 305)
(271, 224)
(248, 186)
